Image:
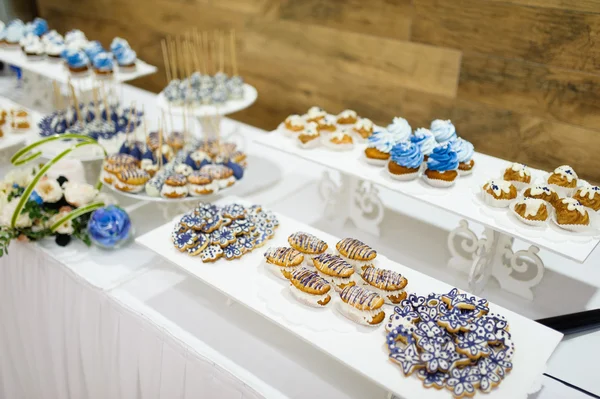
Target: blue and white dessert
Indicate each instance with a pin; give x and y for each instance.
(400, 128)
(443, 130)
(405, 161)
(442, 166)
(126, 59)
(103, 64)
(14, 32)
(92, 49)
(425, 140)
(464, 150)
(379, 145)
(118, 45)
(39, 26)
(76, 60)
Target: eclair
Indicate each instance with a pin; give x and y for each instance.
(309, 245)
(335, 270)
(386, 283)
(283, 261)
(356, 252)
(361, 306)
(309, 288)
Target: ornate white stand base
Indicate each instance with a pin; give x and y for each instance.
(492, 256)
(353, 199)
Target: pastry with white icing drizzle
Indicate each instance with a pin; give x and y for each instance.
(569, 211)
(347, 117)
(589, 196)
(356, 252)
(294, 123)
(500, 189)
(386, 283)
(517, 172)
(563, 176)
(309, 245)
(532, 209)
(362, 306)
(542, 192)
(309, 137)
(309, 288)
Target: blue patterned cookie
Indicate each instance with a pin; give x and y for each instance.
(184, 240)
(206, 211)
(246, 243)
(193, 221)
(242, 226)
(232, 251)
(473, 346)
(401, 334)
(462, 382)
(408, 358)
(222, 237)
(212, 223)
(260, 238)
(456, 359)
(499, 363)
(211, 253)
(233, 211)
(435, 356)
(402, 316)
(488, 378)
(429, 330)
(432, 380)
(199, 246)
(454, 321)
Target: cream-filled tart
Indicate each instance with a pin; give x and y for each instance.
(356, 253)
(310, 288)
(532, 209)
(543, 192)
(340, 141)
(327, 124)
(362, 306)
(294, 123)
(283, 261)
(364, 128)
(309, 245)
(347, 117)
(335, 270)
(569, 211)
(589, 196)
(517, 172)
(309, 137)
(563, 176)
(499, 193)
(386, 283)
(314, 114)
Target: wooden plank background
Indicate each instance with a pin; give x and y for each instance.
(519, 78)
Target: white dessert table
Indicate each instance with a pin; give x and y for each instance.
(128, 323)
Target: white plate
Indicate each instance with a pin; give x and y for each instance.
(145, 197)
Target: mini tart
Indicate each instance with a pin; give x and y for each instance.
(335, 270)
(174, 187)
(364, 127)
(131, 180)
(362, 306)
(448, 175)
(308, 136)
(517, 172)
(314, 114)
(356, 252)
(295, 123)
(466, 166)
(326, 124)
(532, 209)
(283, 261)
(309, 245)
(374, 153)
(563, 176)
(347, 117)
(200, 183)
(309, 288)
(386, 283)
(589, 196)
(542, 192)
(569, 211)
(500, 190)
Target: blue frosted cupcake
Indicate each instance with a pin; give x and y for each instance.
(103, 65)
(77, 61)
(442, 166)
(464, 151)
(379, 146)
(400, 129)
(425, 140)
(442, 130)
(405, 161)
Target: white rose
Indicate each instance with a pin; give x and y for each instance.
(65, 228)
(49, 190)
(78, 194)
(5, 187)
(7, 212)
(107, 199)
(22, 177)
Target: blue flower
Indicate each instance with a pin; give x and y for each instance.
(36, 198)
(109, 226)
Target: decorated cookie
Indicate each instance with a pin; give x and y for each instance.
(211, 253)
(435, 356)
(199, 246)
(241, 226)
(222, 236)
(184, 240)
(246, 243)
(435, 380)
(462, 382)
(408, 358)
(212, 223)
(193, 222)
(233, 251)
(472, 345)
(233, 211)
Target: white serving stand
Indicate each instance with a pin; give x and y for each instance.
(359, 348)
(481, 257)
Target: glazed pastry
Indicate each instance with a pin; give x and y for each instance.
(425, 140)
(542, 192)
(283, 261)
(309, 288)
(499, 193)
(174, 187)
(308, 138)
(221, 175)
(517, 172)
(122, 159)
(309, 245)
(379, 146)
(176, 141)
(563, 176)
(53, 50)
(464, 152)
(405, 161)
(294, 123)
(335, 270)
(131, 180)
(589, 196)
(400, 129)
(442, 166)
(532, 209)
(569, 211)
(200, 183)
(362, 306)
(326, 124)
(314, 114)
(111, 170)
(340, 141)
(364, 127)
(386, 283)
(443, 130)
(347, 117)
(356, 252)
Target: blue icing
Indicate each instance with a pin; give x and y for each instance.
(238, 171)
(424, 139)
(118, 45)
(464, 149)
(92, 49)
(126, 57)
(400, 129)
(382, 140)
(407, 154)
(443, 130)
(103, 62)
(39, 26)
(75, 58)
(442, 159)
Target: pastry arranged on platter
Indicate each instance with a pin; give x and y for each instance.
(499, 193)
(563, 176)
(364, 128)
(356, 253)
(327, 124)
(543, 192)
(309, 288)
(425, 140)
(309, 137)
(443, 130)
(347, 117)
(307, 244)
(589, 196)
(442, 166)
(315, 114)
(341, 140)
(386, 283)
(532, 209)
(282, 261)
(569, 211)
(294, 123)
(362, 306)
(400, 129)
(379, 146)
(335, 270)
(405, 161)
(517, 172)
(464, 152)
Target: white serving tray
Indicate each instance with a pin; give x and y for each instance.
(457, 199)
(12, 137)
(360, 348)
(56, 70)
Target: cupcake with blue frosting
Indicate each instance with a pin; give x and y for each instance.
(464, 151)
(118, 45)
(400, 128)
(103, 65)
(39, 26)
(442, 166)
(425, 140)
(126, 59)
(14, 32)
(77, 61)
(443, 130)
(379, 146)
(405, 161)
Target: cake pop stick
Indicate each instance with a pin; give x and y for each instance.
(233, 54)
(160, 142)
(172, 57)
(96, 107)
(106, 108)
(165, 54)
(213, 50)
(127, 133)
(76, 102)
(202, 50)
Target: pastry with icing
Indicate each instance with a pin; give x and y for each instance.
(294, 123)
(443, 130)
(110, 170)
(364, 128)
(379, 146)
(326, 124)
(400, 129)
(543, 192)
(175, 186)
(405, 161)
(77, 61)
(442, 166)
(309, 245)
(569, 211)
(347, 117)
(563, 176)
(283, 261)
(126, 60)
(53, 50)
(200, 183)
(314, 114)
(589, 196)
(131, 180)
(221, 175)
(92, 49)
(517, 172)
(464, 151)
(356, 253)
(340, 140)
(309, 137)
(387, 283)
(362, 306)
(13, 33)
(425, 140)
(35, 50)
(499, 193)
(335, 270)
(532, 209)
(103, 65)
(309, 288)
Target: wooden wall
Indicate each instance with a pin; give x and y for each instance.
(519, 78)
